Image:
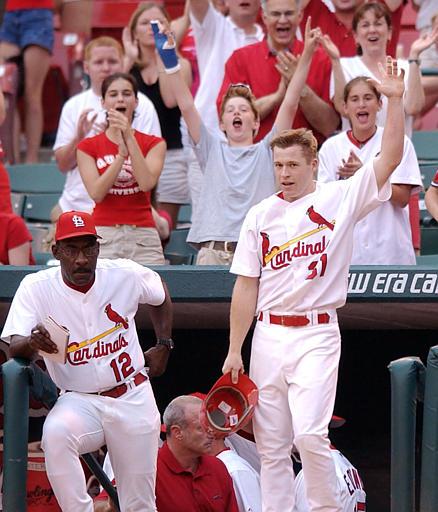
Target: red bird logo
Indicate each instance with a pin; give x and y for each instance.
(319, 219)
(265, 246)
(115, 317)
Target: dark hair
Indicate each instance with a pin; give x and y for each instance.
(380, 11)
(358, 79)
(119, 76)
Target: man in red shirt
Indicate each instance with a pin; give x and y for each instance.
(198, 482)
(268, 66)
(188, 480)
(338, 23)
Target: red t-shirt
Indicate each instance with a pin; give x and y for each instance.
(264, 79)
(187, 49)
(15, 5)
(13, 233)
(210, 488)
(343, 37)
(125, 203)
(5, 191)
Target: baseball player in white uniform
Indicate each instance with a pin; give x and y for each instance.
(106, 396)
(246, 480)
(351, 491)
(292, 262)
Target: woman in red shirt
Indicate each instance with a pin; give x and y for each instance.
(15, 241)
(119, 168)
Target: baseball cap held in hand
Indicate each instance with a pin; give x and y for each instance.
(72, 224)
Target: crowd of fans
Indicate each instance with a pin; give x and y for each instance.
(140, 142)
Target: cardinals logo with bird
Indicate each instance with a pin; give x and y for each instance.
(115, 317)
(283, 252)
(317, 218)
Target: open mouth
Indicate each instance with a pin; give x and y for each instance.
(237, 122)
(373, 39)
(362, 116)
(245, 5)
(121, 109)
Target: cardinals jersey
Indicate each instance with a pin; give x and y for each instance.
(352, 494)
(103, 349)
(373, 245)
(301, 250)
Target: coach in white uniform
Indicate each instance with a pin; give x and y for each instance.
(106, 396)
(292, 261)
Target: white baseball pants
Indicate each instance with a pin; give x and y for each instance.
(295, 369)
(128, 425)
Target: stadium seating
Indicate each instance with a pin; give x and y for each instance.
(426, 146)
(184, 216)
(178, 251)
(17, 201)
(36, 178)
(39, 234)
(37, 207)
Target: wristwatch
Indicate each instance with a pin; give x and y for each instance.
(167, 342)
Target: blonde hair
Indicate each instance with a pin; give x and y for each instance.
(301, 137)
(102, 41)
(132, 25)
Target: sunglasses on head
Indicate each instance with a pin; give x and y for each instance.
(246, 86)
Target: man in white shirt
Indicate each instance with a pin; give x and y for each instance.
(83, 116)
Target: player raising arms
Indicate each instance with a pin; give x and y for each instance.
(237, 173)
(292, 262)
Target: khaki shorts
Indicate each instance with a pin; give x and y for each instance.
(142, 245)
(209, 256)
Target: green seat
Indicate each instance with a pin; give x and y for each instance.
(185, 214)
(39, 234)
(429, 240)
(426, 145)
(178, 251)
(17, 201)
(41, 258)
(37, 207)
(36, 178)
(427, 173)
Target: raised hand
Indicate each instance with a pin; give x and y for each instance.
(330, 47)
(85, 123)
(166, 47)
(119, 121)
(312, 37)
(423, 42)
(391, 82)
(130, 47)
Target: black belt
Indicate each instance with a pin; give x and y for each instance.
(221, 246)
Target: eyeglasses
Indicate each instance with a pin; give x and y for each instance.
(73, 252)
(246, 86)
(276, 15)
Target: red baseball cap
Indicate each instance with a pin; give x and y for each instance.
(72, 224)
